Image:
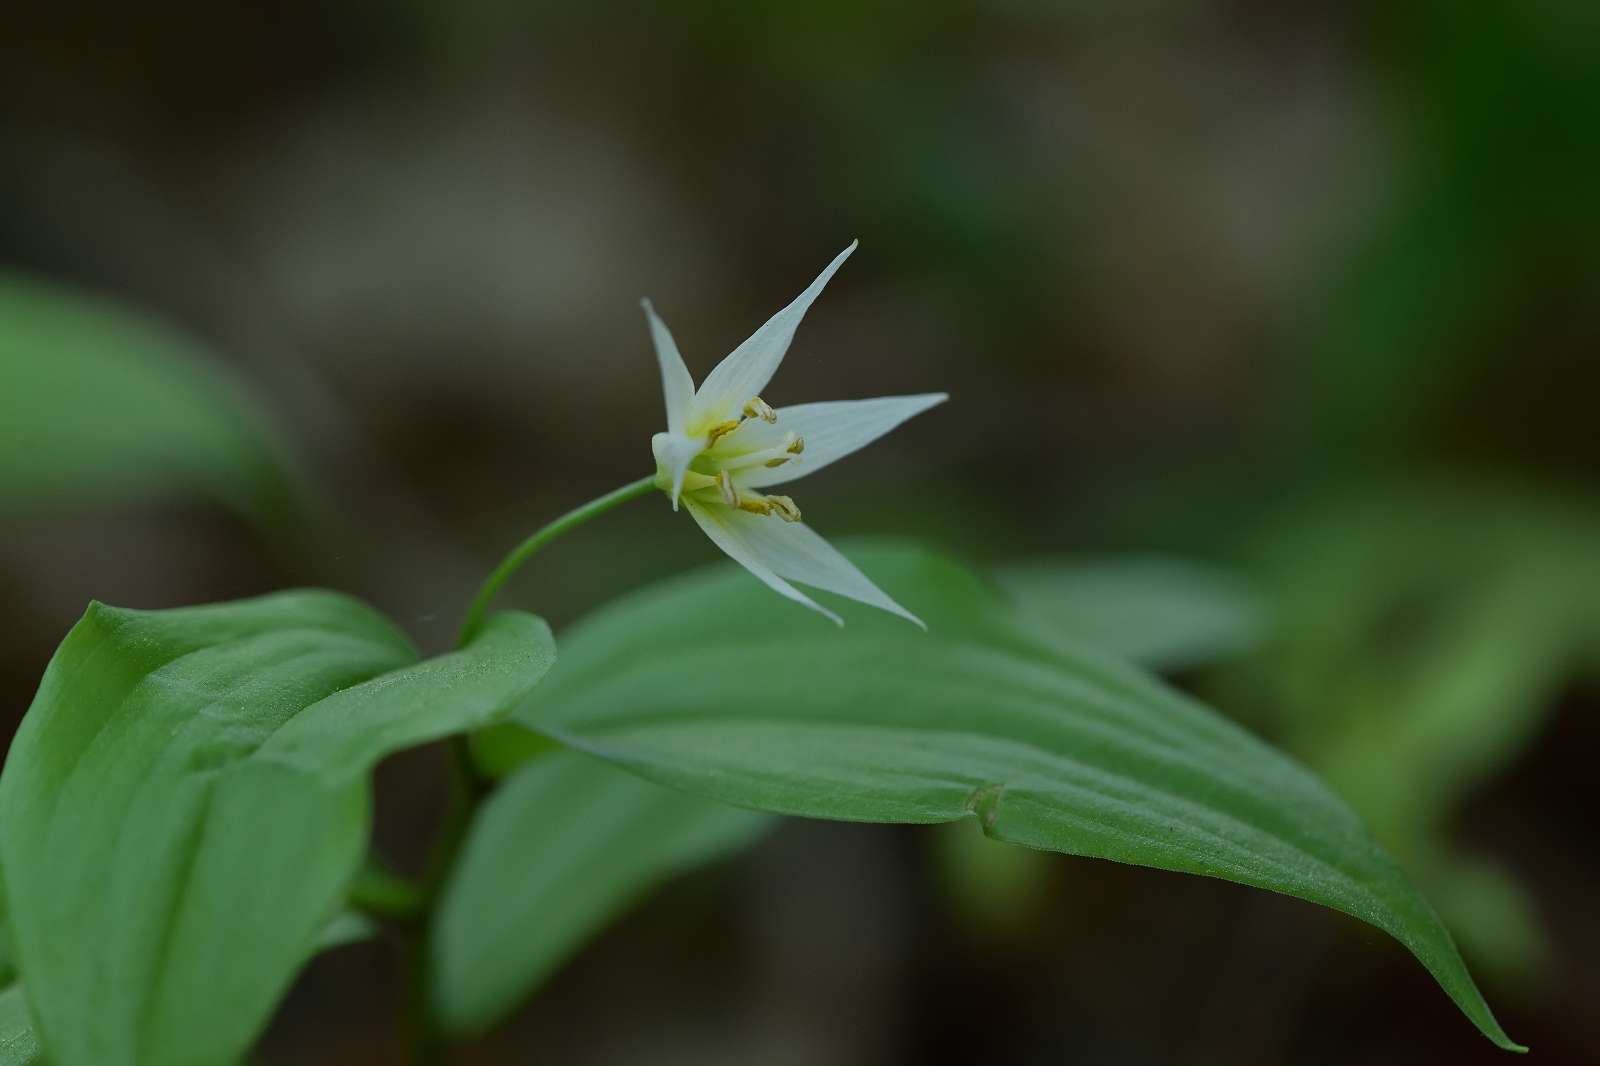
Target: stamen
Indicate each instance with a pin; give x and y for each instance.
(796, 446)
(730, 495)
(784, 508)
(776, 455)
(722, 429)
(756, 505)
(759, 408)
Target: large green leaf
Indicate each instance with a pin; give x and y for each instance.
(1164, 614)
(559, 850)
(98, 401)
(731, 694)
(187, 799)
(19, 1045)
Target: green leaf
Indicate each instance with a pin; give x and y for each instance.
(559, 851)
(101, 402)
(731, 694)
(186, 802)
(19, 1046)
(1164, 614)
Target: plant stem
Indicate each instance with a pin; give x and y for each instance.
(467, 785)
(385, 894)
(520, 554)
(467, 790)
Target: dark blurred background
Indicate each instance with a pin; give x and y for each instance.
(1306, 291)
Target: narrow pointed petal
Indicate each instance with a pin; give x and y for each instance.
(676, 384)
(831, 431)
(746, 371)
(717, 523)
(797, 552)
(674, 452)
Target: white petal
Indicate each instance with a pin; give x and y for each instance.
(676, 384)
(674, 452)
(714, 519)
(831, 432)
(795, 551)
(748, 368)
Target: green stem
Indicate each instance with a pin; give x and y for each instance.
(467, 787)
(520, 554)
(385, 894)
(467, 790)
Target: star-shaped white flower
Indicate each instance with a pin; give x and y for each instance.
(724, 443)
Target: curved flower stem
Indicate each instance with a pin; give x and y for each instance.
(520, 554)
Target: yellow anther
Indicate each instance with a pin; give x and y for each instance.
(784, 508)
(756, 505)
(722, 429)
(779, 461)
(796, 446)
(730, 495)
(759, 408)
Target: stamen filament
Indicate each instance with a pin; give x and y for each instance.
(776, 455)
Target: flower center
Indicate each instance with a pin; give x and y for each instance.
(711, 475)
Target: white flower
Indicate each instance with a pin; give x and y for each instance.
(724, 443)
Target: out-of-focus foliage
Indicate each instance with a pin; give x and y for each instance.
(100, 403)
(1067, 751)
(1164, 614)
(1495, 105)
(1421, 634)
(991, 889)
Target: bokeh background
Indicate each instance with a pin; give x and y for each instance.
(1308, 293)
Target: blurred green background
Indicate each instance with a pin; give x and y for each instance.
(1308, 294)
